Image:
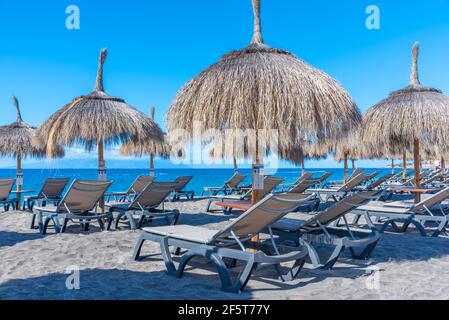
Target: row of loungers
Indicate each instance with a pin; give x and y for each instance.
(286, 239)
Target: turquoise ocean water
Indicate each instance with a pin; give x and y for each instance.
(122, 178)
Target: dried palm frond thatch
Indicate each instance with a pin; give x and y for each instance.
(409, 118)
(97, 118)
(259, 87)
(18, 139)
(146, 147)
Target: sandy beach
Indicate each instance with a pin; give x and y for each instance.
(37, 267)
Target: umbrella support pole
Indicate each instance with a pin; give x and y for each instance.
(101, 169)
(392, 166)
(404, 166)
(152, 174)
(417, 162)
(19, 181)
(345, 174)
(303, 167)
(443, 168)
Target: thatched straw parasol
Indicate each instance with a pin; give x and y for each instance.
(408, 118)
(18, 140)
(259, 87)
(348, 148)
(142, 148)
(309, 151)
(97, 119)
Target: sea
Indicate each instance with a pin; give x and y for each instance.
(123, 178)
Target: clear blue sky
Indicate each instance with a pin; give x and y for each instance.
(156, 46)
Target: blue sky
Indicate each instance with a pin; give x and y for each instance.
(155, 47)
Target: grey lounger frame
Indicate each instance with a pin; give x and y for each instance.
(323, 228)
(137, 187)
(270, 183)
(179, 191)
(6, 186)
(229, 243)
(339, 193)
(417, 215)
(79, 203)
(51, 192)
(229, 186)
(146, 204)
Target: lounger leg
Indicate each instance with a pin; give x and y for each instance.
(166, 255)
(117, 219)
(101, 223)
(365, 253)
(33, 220)
(334, 257)
(313, 254)
(209, 203)
(292, 272)
(132, 223)
(176, 215)
(138, 247)
(64, 225)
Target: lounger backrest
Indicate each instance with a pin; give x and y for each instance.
(235, 180)
(355, 173)
(324, 177)
(379, 181)
(341, 208)
(372, 175)
(270, 183)
(354, 183)
(54, 187)
(264, 214)
(6, 188)
(303, 186)
(140, 184)
(153, 195)
(83, 196)
(305, 176)
(182, 182)
(433, 200)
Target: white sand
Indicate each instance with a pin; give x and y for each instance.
(34, 267)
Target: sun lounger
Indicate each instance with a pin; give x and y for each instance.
(321, 229)
(323, 179)
(305, 176)
(428, 211)
(79, 203)
(231, 243)
(356, 172)
(229, 186)
(378, 183)
(179, 191)
(6, 186)
(145, 206)
(51, 191)
(270, 183)
(137, 187)
(337, 193)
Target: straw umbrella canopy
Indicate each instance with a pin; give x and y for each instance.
(409, 118)
(97, 119)
(142, 148)
(349, 148)
(18, 140)
(258, 88)
(308, 151)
